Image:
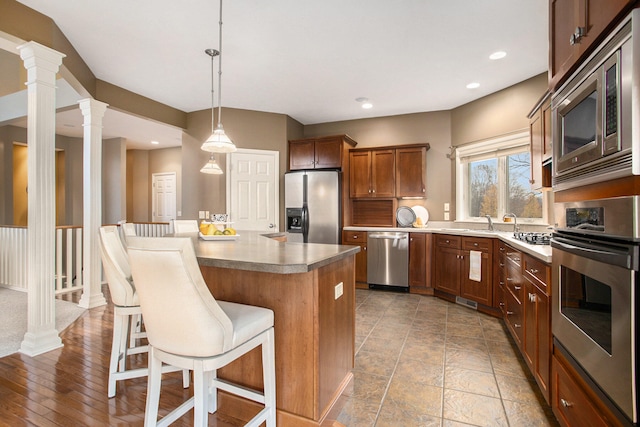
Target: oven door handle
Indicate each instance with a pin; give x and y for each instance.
(621, 258)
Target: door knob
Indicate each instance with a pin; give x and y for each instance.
(272, 225)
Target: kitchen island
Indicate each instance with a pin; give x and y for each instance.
(311, 290)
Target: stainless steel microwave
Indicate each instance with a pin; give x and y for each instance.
(592, 113)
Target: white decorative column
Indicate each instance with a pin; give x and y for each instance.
(42, 64)
(93, 112)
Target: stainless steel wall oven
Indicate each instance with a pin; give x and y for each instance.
(596, 263)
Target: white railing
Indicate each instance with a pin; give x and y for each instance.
(152, 229)
(68, 262)
(68, 259)
(13, 257)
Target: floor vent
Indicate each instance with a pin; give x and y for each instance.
(467, 303)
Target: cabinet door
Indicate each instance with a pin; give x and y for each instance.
(536, 345)
(328, 153)
(417, 260)
(360, 174)
(361, 264)
(547, 144)
(536, 132)
(447, 270)
(480, 292)
(411, 169)
(301, 155)
(563, 16)
(383, 173)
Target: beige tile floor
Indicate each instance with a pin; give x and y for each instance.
(422, 361)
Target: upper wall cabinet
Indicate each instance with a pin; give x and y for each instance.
(390, 171)
(540, 134)
(319, 153)
(372, 173)
(411, 171)
(575, 27)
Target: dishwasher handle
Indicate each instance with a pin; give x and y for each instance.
(387, 236)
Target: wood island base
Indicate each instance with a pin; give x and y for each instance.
(314, 322)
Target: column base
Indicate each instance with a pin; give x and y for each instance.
(42, 342)
(91, 301)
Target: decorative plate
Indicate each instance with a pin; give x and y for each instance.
(405, 216)
(422, 213)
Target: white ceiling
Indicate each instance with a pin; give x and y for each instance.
(308, 59)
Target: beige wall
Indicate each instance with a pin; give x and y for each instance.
(114, 178)
(247, 129)
(500, 113)
(138, 186)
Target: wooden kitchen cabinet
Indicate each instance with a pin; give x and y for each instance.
(411, 171)
(358, 238)
(420, 245)
(572, 400)
(540, 143)
(537, 343)
(576, 27)
(319, 153)
(372, 173)
(452, 258)
(447, 259)
(514, 291)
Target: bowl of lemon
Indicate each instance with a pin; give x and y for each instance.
(217, 231)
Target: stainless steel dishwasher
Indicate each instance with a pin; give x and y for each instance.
(388, 259)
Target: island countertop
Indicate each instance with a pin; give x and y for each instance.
(258, 251)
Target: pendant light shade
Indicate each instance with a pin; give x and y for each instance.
(211, 167)
(218, 142)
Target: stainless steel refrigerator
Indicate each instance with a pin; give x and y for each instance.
(312, 203)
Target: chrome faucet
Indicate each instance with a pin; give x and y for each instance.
(490, 222)
(515, 221)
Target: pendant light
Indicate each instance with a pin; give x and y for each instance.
(211, 167)
(218, 142)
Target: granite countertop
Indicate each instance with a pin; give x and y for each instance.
(541, 252)
(258, 251)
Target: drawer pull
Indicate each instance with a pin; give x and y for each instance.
(517, 325)
(501, 249)
(517, 288)
(355, 236)
(502, 283)
(566, 403)
(509, 313)
(533, 271)
(532, 297)
(446, 241)
(501, 264)
(501, 304)
(509, 279)
(475, 244)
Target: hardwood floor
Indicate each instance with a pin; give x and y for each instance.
(68, 386)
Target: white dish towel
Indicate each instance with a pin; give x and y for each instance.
(475, 262)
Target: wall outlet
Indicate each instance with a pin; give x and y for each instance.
(179, 213)
(339, 290)
(201, 215)
(446, 216)
(206, 215)
(446, 207)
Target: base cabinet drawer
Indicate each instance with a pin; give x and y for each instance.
(571, 403)
(514, 317)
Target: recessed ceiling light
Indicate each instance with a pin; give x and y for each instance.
(155, 142)
(366, 104)
(498, 55)
(473, 85)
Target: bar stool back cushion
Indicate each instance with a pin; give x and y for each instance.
(116, 268)
(185, 226)
(181, 314)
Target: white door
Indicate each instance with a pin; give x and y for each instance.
(253, 189)
(164, 197)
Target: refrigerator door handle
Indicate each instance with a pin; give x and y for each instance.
(305, 223)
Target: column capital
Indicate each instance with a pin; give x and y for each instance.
(34, 54)
(92, 107)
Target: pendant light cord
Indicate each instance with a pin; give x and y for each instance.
(219, 71)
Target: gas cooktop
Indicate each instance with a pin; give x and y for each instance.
(533, 238)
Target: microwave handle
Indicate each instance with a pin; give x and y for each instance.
(621, 258)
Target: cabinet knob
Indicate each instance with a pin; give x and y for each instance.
(424, 190)
(501, 304)
(355, 236)
(577, 35)
(475, 244)
(532, 297)
(566, 403)
(501, 264)
(501, 249)
(446, 241)
(502, 283)
(365, 248)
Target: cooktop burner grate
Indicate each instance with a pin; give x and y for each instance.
(533, 238)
